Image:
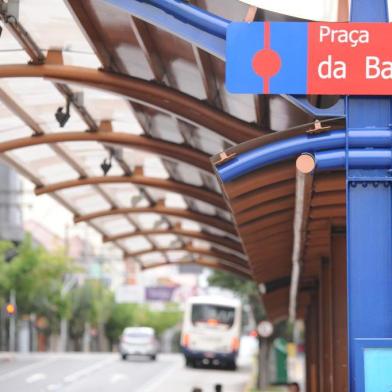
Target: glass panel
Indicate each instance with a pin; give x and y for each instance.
(40, 99)
(136, 244)
(42, 16)
(175, 200)
(165, 240)
(152, 258)
(11, 51)
(150, 221)
(114, 225)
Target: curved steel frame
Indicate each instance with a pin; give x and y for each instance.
(192, 191)
(328, 147)
(151, 94)
(209, 220)
(170, 150)
(199, 235)
(188, 22)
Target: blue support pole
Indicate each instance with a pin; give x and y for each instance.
(369, 240)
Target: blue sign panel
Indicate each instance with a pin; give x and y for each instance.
(378, 369)
(267, 57)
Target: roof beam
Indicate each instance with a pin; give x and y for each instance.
(160, 147)
(158, 96)
(203, 263)
(167, 185)
(19, 112)
(149, 49)
(204, 65)
(235, 261)
(199, 235)
(203, 219)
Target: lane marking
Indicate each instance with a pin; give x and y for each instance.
(36, 377)
(118, 377)
(156, 382)
(54, 387)
(26, 368)
(88, 370)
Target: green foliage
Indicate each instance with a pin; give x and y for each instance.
(122, 316)
(36, 275)
(239, 285)
(132, 315)
(245, 288)
(90, 303)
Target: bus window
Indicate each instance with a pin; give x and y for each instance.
(213, 315)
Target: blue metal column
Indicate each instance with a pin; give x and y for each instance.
(369, 241)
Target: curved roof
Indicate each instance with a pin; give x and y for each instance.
(152, 104)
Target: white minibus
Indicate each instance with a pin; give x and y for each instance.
(211, 331)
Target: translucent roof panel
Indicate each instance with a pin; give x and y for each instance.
(164, 240)
(86, 198)
(113, 225)
(152, 258)
(42, 161)
(11, 51)
(177, 255)
(136, 244)
(11, 127)
(42, 16)
(103, 106)
(201, 244)
(184, 172)
(208, 141)
(188, 78)
(165, 126)
(91, 155)
(40, 99)
(175, 200)
(125, 195)
(150, 221)
(190, 225)
(153, 167)
(205, 208)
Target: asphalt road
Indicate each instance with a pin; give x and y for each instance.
(74, 372)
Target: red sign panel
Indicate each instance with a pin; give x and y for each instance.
(309, 58)
(350, 58)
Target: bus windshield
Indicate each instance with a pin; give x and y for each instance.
(213, 315)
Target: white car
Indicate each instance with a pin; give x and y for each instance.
(138, 341)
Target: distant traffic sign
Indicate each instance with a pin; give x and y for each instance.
(309, 58)
(265, 329)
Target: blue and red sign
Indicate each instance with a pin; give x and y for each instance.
(309, 58)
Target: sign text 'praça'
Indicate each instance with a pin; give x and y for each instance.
(309, 58)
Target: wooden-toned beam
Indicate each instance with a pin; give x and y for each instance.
(158, 96)
(203, 263)
(195, 192)
(19, 112)
(162, 210)
(230, 258)
(160, 147)
(204, 65)
(199, 235)
(149, 49)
